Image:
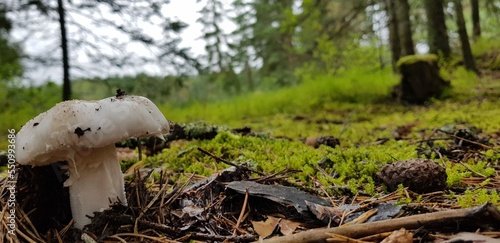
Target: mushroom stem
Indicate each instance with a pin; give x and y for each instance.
(94, 183)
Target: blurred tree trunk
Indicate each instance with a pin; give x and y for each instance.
(64, 45)
(436, 28)
(248, 72)
(420, 79)
(464, 38)
(476, 23)
(393, 32)
(404, 27)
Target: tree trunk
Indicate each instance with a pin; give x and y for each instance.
(464, 38)
(248, 72)
(394, 41)
(476, 23)
(436, 28)
(420, 79)
(64, 45)
(404, 27)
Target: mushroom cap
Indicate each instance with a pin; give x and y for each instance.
(74, 126)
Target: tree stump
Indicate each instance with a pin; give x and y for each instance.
(420, 79)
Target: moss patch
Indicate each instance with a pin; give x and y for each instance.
(406, 60)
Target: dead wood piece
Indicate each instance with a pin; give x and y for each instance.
(420, 79)
(288, 196)
(484, 213)
(229, 174)
(197, 130)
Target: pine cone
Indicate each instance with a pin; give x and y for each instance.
(419, 175)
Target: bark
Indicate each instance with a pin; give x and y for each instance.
(464, 38)
(436, 28)
(476, 23)
(404, 27)
(394, 41)
(64, 45)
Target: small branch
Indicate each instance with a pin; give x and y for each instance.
(472, 142)
(222, 238)
(472, 170)
(411, 222)
(240, 218)
(229, 162)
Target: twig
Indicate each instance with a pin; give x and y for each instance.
(245, 202)
(64, 230)
(472, 170)
(363, 217)
(118, 238)
(341, 238)
(410, 222)
(472, 142)
(274, 175)
(58, 236)
(176, 194)
(229, 162)
(155, 239)
(376, 237)
(229, 238)
(160, 227)
(322, 188)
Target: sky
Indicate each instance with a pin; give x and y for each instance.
(46, 42)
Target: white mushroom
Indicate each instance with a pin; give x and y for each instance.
(84, 134)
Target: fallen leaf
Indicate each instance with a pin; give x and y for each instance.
(265, 228)
(471, 237)
(287, 227)
(399, 236)
(192, 211)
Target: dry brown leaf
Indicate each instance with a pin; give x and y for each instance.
(265, 228)
(399, 236)
(287, 227)
(471, 237)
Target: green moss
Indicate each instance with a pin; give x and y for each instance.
(125, 164)
(495, 64)
(416, 58)
(477, 197)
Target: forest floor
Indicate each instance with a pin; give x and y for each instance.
(283, 174)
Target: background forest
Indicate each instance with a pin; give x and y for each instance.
(275, 44)
(278, 56)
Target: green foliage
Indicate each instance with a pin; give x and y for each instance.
(355, 167)
(485, 45)
(20, 104)
(456, 172)
(404, 199)
(478, 197)
(125, 164)
(155, 88)
(313, 93)
(10, 62)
